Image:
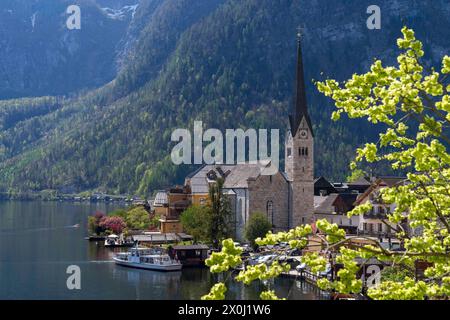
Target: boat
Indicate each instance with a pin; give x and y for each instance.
(116, 241)
(149, 259)
(95, 238)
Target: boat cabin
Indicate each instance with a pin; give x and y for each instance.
(191, 255)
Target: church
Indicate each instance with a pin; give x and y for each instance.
(286, 198)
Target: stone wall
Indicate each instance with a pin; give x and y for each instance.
(274, 189)
(301, 166)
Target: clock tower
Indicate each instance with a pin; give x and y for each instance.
(299, 153)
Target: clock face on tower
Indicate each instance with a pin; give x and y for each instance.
(303, 134)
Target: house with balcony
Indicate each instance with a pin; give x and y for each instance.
(375, 223)
(334, 208)
(169, 205)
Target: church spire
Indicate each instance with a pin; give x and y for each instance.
(300, 107)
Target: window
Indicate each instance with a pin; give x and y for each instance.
(380, 227)
(202, 201)
(303, 151)
(289, 152)
(240, 213)
(350, 221)
(270, 178)
(269, 210)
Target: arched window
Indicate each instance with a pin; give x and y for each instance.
(269, 211)
(240, 213)
(303, 151)
(289, 152)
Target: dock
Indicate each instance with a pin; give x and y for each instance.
(155, 238)
(302, 275)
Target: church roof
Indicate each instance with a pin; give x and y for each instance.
(301, 106)
(240, 174)
(235, 176)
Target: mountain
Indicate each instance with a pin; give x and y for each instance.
(40, 56)
(229, 63)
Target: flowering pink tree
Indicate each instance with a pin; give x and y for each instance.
(98, 215)
(114, 224)
(94, 223)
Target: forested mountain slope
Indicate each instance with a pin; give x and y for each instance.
(230, 63)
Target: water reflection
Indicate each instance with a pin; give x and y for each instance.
(38, 241)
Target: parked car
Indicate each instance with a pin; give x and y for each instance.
(327, 271)
(262, 259)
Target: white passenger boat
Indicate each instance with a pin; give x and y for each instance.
(150, 259)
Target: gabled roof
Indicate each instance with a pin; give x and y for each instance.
(360, 182)
(322, 183)
(349, 199)
(235, 176)
(380, 182)
(327, 205)
(193, 173)
(318, 200)
(391, 181)
(240, 174)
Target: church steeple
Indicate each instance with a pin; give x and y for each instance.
(300, 104)
(299, 154)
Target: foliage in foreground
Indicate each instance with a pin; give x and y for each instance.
(413, 104)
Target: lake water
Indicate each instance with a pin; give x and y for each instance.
(39, 240)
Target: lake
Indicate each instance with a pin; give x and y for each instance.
(39, 240)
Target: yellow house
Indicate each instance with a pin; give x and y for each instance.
(169, 205)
